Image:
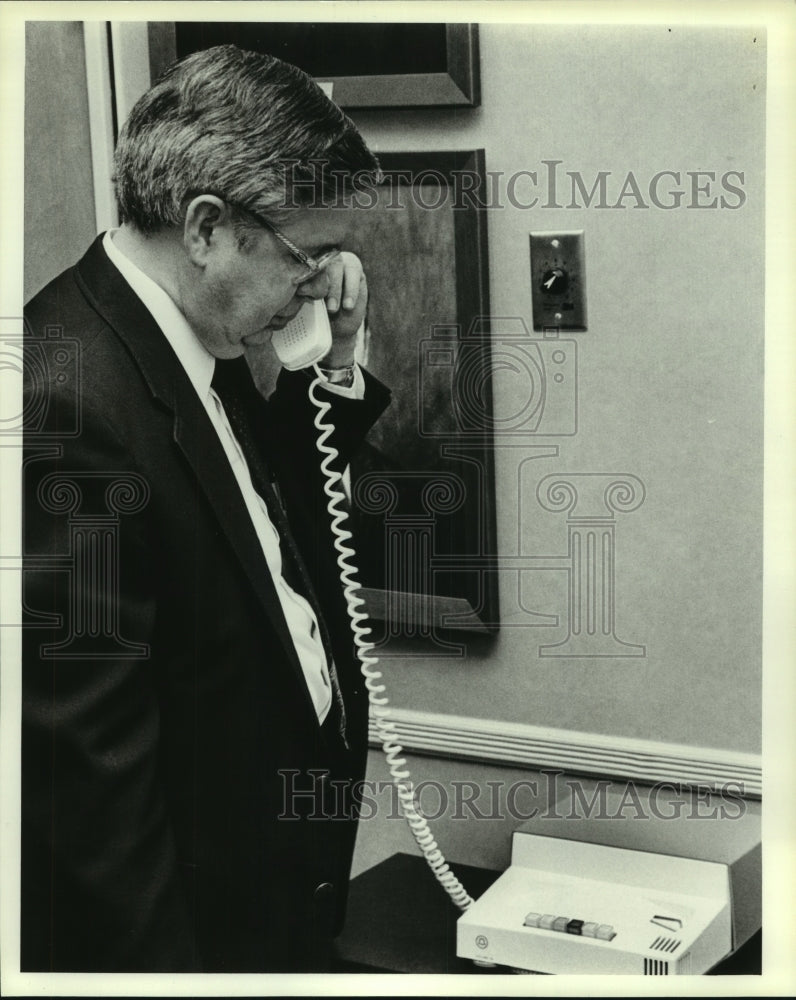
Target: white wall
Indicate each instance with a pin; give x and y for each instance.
(59, 196)
(671, 375)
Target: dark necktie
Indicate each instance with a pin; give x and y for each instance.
(230, 386)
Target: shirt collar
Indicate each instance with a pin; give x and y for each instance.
(194, 357)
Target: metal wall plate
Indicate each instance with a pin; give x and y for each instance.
(558, 281)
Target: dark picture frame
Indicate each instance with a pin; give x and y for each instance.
(368, 65)
(423, 493)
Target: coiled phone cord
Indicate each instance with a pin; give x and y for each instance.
(376, 691)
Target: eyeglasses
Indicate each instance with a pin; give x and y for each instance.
(314, 265)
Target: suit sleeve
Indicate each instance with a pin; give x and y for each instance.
(291, 415)
(100, 884)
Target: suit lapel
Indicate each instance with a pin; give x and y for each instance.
(197, 439)
(194, 433)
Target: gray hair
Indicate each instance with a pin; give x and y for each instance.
(247, 127)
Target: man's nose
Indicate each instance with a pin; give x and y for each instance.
(315, 288)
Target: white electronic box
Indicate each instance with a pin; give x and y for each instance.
(658, 895)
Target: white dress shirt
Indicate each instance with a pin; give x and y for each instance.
(199, 366)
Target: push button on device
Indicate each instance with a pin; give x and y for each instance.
(563, 925)
(605, 932)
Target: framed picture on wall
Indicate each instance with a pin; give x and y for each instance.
(364, 65)
(422, 487)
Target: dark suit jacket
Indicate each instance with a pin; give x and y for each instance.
(166, 719)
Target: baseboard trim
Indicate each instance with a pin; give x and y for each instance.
(539, 747)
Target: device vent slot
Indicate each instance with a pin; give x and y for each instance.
(656, 967)
(663, 943)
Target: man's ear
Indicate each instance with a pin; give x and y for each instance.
(205, 218)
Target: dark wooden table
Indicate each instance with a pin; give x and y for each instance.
(401, 920)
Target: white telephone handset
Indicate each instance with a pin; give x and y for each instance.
(306, 339)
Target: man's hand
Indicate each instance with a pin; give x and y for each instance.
(346, 302)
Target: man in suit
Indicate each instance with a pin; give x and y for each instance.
(194, 720)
